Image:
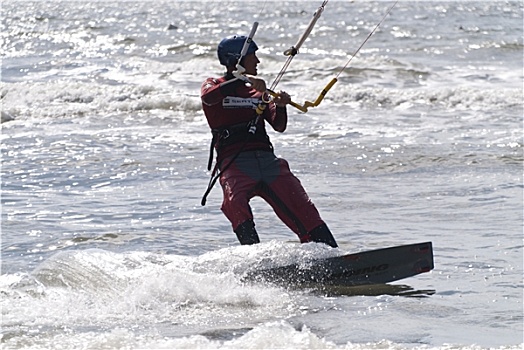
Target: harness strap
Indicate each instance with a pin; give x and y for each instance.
(235, 133)
(228, 136)
(211, 148)
(215, 174)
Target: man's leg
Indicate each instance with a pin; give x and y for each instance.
(246, 233)
(237, 188)
(293, 206)
(320, 234)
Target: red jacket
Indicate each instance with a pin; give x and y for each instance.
(229, 103)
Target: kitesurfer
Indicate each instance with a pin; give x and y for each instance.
(237, 113)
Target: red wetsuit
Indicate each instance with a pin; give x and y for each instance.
(248, 165)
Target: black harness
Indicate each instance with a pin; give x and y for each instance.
(229, 135)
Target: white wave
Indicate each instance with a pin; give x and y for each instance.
(59, 99)
(268, 335)
(97, 288)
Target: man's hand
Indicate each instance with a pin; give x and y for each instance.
(282, 99)
(257, 83)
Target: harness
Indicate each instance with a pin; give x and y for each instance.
(229, 135)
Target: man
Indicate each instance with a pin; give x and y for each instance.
(237, 112)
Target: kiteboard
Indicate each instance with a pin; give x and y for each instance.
(372, 267)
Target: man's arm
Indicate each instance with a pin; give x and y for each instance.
(279, 118)
(279, 121)
(213, 92)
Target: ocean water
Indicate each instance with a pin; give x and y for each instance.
(104, 150)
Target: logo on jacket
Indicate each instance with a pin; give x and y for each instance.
(240, 102)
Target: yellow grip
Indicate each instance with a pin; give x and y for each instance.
(299, 107)
(308, 104)
(294, 104)
(321, 95)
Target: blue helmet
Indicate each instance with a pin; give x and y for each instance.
(229, 49)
